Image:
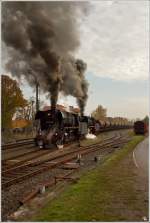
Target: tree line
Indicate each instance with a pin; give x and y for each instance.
(100, 113)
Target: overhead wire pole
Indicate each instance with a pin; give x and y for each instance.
(37, 96)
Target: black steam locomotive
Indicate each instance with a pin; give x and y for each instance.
(60, 127)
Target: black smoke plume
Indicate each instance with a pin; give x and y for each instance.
(41, 39)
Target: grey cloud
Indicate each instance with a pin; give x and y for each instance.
(41, 39)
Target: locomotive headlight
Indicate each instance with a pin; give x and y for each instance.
(66, 133)
(40, 143)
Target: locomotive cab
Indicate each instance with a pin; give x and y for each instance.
(83, 125)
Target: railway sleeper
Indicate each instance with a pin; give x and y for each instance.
(62, 178)
(70, 166)
(20, 178)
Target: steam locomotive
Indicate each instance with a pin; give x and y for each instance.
(59, 127)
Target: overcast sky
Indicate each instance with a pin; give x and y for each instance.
(114, 39)
(115, 44)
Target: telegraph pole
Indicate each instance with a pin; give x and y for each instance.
(32, 103)
(37, 96)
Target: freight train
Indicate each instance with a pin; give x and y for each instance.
(59, 127)
(140, 128)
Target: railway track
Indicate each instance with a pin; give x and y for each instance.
(12, 174)
(10, 160)
(16, 160)
(19, 155)
(17, 144)
(30, 141)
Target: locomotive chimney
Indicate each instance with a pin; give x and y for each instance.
(53, 108)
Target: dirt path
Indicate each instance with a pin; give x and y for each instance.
(140, 158)
(140, 189)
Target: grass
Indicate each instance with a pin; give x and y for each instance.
(87, 142)
(106, 193)
(100, 138)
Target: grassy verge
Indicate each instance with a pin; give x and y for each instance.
(87, 142)
(104, 194)
(101, 137)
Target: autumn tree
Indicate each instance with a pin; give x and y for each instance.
(11, 99)
(27, 112)
(99, 113)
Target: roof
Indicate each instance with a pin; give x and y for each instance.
(59, 107)
(63, 108)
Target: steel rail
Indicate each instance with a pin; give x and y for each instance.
(40, 153)
(45, 165)
(9, 157)
(19, 144)
(28, 162)
(31, 140)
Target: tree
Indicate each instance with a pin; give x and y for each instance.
(99, 113)
(11, 99)
(146, 119)
(27, 112)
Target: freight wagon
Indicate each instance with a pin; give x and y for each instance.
(140, 128)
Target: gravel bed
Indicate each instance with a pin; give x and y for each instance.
(12, 195)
